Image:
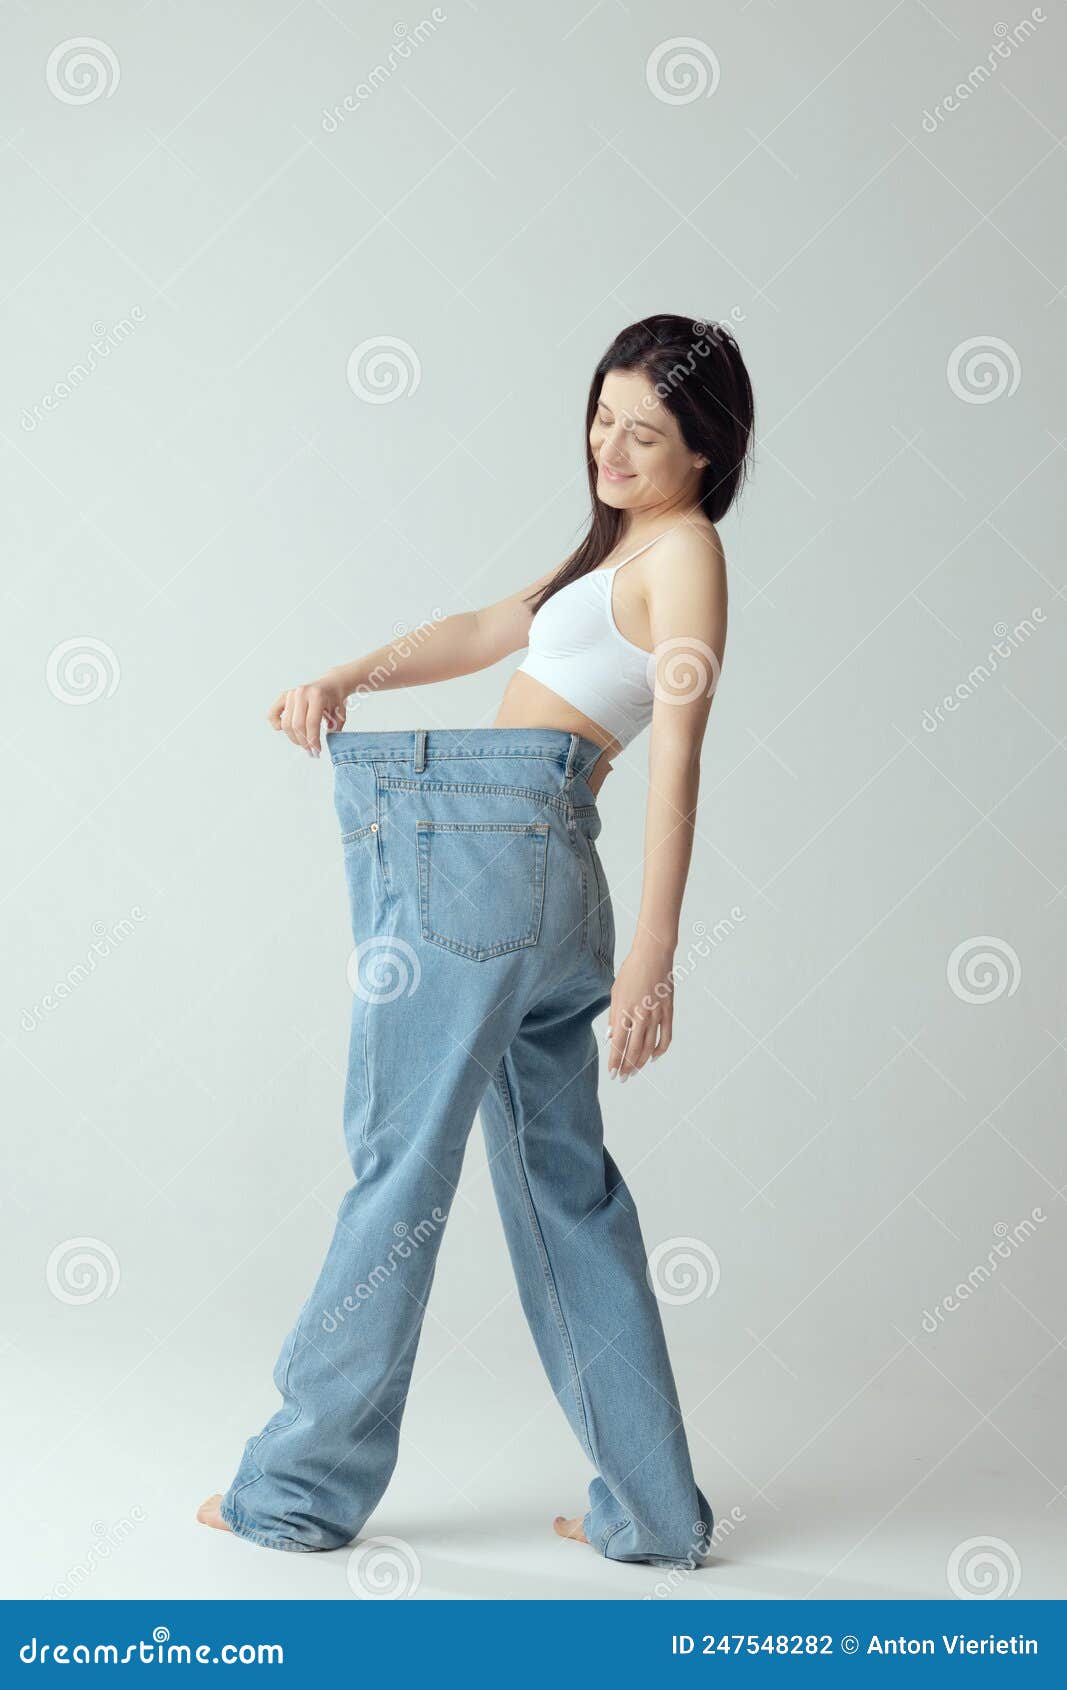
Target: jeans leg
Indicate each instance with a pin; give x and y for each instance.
(580, 1263)
(317, 1470)
(428, 1028)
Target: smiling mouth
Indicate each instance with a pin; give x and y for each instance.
(614, 474)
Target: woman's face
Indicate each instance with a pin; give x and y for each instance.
(642, 461)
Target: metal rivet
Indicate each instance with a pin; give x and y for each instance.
(374, 827)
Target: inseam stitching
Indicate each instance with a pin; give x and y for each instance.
(504, 1088)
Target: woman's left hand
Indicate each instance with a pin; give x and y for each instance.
(642, 1009)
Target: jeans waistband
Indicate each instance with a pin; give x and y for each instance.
(571, 756)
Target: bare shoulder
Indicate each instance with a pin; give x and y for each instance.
(689, 560)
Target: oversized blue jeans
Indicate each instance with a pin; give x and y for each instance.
(484, 950)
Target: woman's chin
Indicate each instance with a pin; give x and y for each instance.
(618, 494)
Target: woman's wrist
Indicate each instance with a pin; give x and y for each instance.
(654, 940)
(345, 676)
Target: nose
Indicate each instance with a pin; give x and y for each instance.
(614, 448)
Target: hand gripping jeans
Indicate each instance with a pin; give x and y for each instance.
(484, 944)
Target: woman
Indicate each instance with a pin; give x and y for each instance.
(484, 951)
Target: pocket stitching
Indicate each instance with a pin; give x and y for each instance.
(424, 829)
(358, 833)
(603, 901)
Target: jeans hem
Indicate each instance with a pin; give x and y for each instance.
(241, 1528)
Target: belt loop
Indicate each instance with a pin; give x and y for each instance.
(420, 750)
(572, 752)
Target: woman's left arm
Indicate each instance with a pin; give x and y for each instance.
(687, 616)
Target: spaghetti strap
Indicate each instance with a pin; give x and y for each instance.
(648, 543)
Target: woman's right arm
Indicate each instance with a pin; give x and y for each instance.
(437, 651)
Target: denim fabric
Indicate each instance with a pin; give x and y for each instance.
(484, 949)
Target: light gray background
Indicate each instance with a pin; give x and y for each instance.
(216, 505)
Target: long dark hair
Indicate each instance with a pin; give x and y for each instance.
(697, 371)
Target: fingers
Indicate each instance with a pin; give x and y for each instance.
(638, 1034)
(618, 1035)
(641, 1043)
(636, 1037)
(314, 711)
(666, 1029)
(299, 714)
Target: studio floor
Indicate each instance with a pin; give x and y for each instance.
(872, 1506)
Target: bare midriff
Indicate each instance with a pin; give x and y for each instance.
(528, 704)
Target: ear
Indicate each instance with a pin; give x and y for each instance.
(701, 463)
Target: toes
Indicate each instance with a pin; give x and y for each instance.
(571, 1529)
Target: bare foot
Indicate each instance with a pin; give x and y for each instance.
(569, 1528)
(208, 1513)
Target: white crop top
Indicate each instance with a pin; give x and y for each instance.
(577, 651)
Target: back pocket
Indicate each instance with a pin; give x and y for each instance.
(482, 885)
